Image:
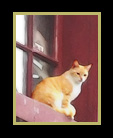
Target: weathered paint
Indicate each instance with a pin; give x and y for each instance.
(33, 111)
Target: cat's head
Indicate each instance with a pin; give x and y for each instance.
(78, 72)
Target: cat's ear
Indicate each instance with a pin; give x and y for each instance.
(88, 67)
(75, 64)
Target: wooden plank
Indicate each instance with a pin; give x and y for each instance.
(33, 111)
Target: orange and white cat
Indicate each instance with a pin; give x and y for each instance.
(59, 91)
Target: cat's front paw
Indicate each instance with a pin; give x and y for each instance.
(72, 111)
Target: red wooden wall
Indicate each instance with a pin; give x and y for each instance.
(80, 41)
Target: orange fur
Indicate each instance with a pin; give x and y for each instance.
(59, 91)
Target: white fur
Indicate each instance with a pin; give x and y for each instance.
(76, 87)
(76, 91)
(58, 102)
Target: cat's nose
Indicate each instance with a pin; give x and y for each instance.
(81, 78)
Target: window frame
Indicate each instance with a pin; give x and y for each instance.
(28, 48)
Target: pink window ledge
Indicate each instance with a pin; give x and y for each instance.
(33, 111)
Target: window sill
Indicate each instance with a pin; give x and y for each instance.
(33, 111)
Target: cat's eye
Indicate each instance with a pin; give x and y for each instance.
(85, 75)
(78, 73)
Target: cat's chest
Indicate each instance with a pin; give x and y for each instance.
(75, 92)
(76, 88)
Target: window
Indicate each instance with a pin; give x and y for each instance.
(21, 29)
(36, 51)
(41, 70)
(21, 65)
(43, 30)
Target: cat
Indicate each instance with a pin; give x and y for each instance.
(58, 92)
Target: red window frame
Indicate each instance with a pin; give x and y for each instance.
(54, 60)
